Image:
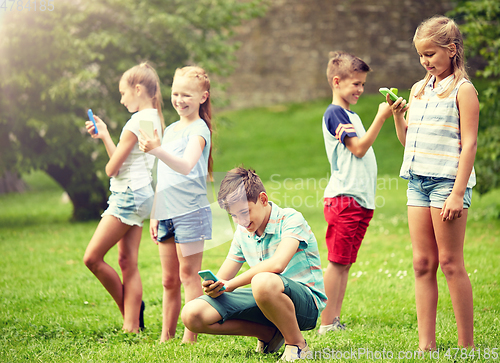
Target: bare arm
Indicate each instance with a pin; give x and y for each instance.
(117, 154)
(275, 264)
(102, 134)
(398, 113)
(468, 106)
(182, 165)
(360, 145)
(227, 271)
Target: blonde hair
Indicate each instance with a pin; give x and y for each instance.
(198, 75)
(145, 75)
(343, 65)
(443, 32)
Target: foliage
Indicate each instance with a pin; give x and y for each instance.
(54, 65)
(481, 29)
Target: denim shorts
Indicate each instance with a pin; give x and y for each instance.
(240, 304)
(132, 206)
(427, 191)
(191, 227)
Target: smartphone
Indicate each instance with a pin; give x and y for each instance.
(148, 128)
(208, 275)
(386, 91)
(91, 118)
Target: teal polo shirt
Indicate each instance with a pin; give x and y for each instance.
(305, 265)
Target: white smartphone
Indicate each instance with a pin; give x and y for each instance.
(208, 275)
(148, 128)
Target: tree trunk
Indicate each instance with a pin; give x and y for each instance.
(10, 182)
(86, 191)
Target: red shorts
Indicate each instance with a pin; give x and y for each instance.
(347, 224)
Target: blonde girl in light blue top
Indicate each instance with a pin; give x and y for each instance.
(181, 218)
(440, 136)
(131, 195)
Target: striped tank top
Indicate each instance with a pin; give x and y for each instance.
(433, 142)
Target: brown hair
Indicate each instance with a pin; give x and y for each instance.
(443, 32)
(145, 75)
(201, 77)
(238, 184)
(343, 65)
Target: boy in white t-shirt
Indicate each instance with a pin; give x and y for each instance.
(349, 197)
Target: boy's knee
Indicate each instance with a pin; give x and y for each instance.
(264, 280)
(189, 316)
(265, 285)
(192, 316)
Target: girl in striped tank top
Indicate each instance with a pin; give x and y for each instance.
(440, 136)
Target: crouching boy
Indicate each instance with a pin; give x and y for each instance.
(287, 292)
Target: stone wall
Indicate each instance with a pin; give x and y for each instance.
(283, 56)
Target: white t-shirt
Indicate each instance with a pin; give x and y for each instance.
(135, 171)
(350, 175)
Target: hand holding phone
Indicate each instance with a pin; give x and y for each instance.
(208, 275)
(148, 138)
(148, 128)
(91, 118)
(392, 95)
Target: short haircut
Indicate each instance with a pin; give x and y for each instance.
(239, 184)
(343, 65)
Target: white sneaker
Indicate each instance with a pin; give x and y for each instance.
(293, 352)
(335, 326)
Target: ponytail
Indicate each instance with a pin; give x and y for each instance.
(145, 75)
(158, 103)
(206, 115)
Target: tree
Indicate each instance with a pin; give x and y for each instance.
(55, 64)
(480, 25)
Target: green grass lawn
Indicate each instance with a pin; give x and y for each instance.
(54, 310)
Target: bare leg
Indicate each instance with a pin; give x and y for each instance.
(190, 256)
(200, 317)
(450, 237)
(425, 264)
(128, 254)
(268, 291)
(99, 245)
(335, 279)
(171, 288)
